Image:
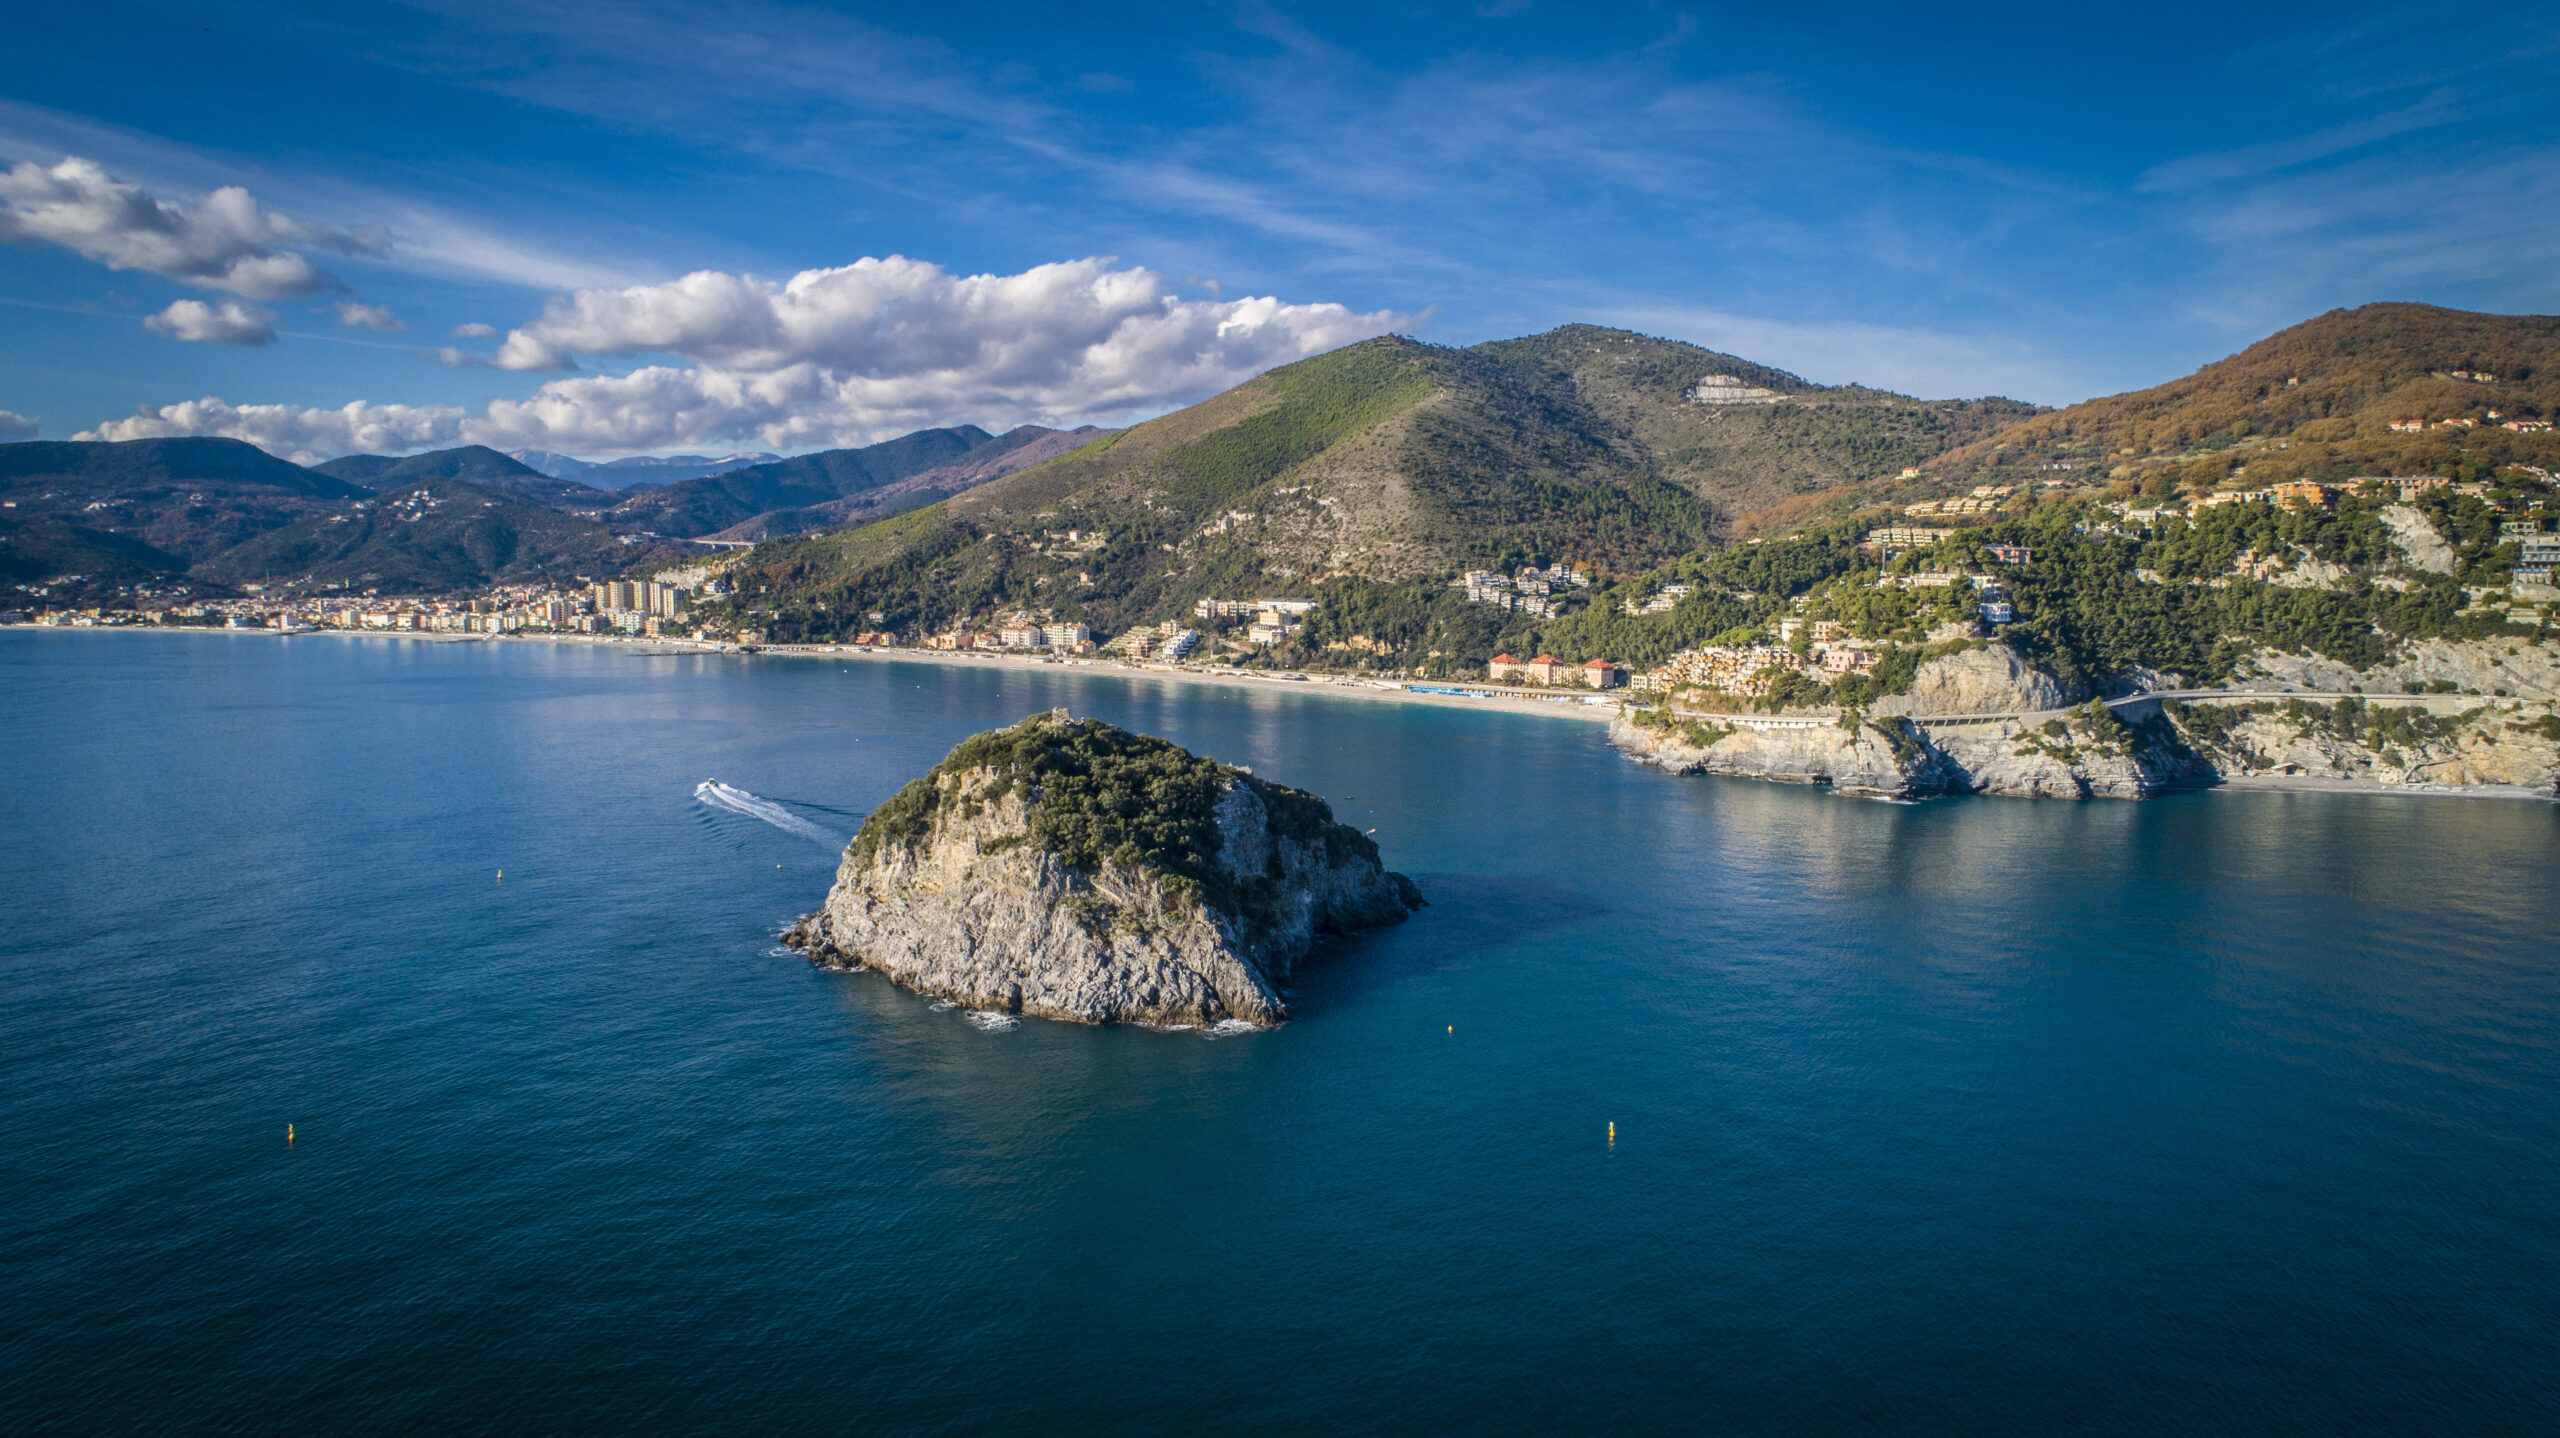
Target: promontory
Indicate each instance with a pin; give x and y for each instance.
(1070, 869)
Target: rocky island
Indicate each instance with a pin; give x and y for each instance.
(1070, 869)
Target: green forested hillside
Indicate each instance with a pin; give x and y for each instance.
(435, 537)
(1386, 463)
(474, 462)
(188, 498)
(704, 506)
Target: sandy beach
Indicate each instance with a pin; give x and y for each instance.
(1567, 704)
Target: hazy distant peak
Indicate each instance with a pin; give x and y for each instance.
(636, 469)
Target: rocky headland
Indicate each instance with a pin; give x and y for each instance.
(1986, 721)
(1069, 869)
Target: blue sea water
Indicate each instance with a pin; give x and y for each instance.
(2216, 1113)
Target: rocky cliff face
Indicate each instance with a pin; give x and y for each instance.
(2497, 667)
(1993, 679)
(1072, 870)
(2042, 750)
(2075, 754)
(2456, 743)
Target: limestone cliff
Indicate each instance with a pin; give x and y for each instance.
(1991, 679)
(1073, 870)
(1884, 759)
(2502, 668)
(2081, 753)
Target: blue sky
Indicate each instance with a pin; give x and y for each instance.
(1100, 217)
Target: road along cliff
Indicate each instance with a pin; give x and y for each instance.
(1070, 869)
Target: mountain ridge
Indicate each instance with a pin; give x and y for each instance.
(1385, 461)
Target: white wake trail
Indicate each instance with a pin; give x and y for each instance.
(738, 801)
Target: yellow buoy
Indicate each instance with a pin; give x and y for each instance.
(1453, 1028)
(288, 1133)
(502, 876)
(1613, 1131)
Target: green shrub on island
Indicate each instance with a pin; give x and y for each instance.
(1099, 795)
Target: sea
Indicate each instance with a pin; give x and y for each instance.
(1687, 1106)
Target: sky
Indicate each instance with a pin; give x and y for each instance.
(604, 229)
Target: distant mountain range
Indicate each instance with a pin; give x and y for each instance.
(638, 469)
(1386, 463)
(841, 486)
(88, 522)
(478, 464)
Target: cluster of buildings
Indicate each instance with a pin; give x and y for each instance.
(1548, 669)
(1172, 640)
(2320, 495)
(1985, 499)
(1990, 595)
(620, 599)
(1729, 389)
(619, 607)
(1530, 591)
(1751, 670)
(1662, 601)
(1266, 621)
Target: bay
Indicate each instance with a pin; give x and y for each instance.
(2218, 1111)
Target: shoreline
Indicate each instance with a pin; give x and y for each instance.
(1569, 705)
(2349, 784)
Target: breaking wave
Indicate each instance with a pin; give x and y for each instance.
(992, 1023)
(731, 799)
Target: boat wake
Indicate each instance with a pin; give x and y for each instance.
(728, 798)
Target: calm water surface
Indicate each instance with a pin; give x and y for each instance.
(2216, 1113)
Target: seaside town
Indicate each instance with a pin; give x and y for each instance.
(1221, 632)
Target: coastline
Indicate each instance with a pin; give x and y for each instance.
(1571, 704)
(2349, 784)
(1574, 706)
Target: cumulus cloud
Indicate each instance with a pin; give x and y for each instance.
(299, 434)
(829, 357)
(367, 317)
(475, 331)
(228, 243)
(453, 358)
(15, 427)
(230, 323)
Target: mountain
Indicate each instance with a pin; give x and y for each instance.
(77, 565)
(705, 506)
(637, 470)
(1387, 462)
(2314, 401)
(434, 537)
(1016, 449)
(474, 462)
(186, 498)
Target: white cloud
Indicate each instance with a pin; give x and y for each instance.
(830, 357)
(475, 331)
(452, 358)
(227, 243)
(302, 435)
(15, 426)
(231, 323)
(367, 317)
